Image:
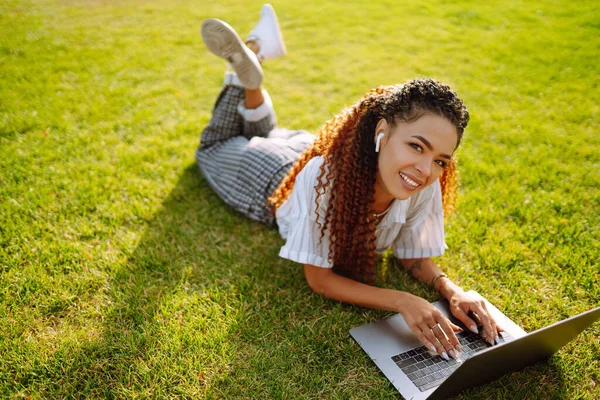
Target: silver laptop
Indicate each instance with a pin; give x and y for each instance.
(416, 374)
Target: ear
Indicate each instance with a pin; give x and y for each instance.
(382, 126)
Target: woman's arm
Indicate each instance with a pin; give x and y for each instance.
(425, 270)
(419, 314)
(333, 286)
(461, 304)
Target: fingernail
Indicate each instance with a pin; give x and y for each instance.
(473, 328)
(497, 341)
(432, 349)
(452, 354)
(445, 356)
(458, 347)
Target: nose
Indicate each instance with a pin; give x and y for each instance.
(424, 167)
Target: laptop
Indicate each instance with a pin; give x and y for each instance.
(416, 374)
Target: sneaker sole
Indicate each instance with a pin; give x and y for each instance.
(223, 41)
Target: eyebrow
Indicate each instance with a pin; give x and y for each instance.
(429, 146)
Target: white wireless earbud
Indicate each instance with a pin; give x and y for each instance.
(379, 136)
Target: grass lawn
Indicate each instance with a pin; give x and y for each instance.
(123, 276)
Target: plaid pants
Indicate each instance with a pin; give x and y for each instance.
(244, 161)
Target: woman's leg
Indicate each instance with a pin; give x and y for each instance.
(254, 105)
(253, 98)
(242, 111)
(238, 156)
(225, 141)
(225, 122)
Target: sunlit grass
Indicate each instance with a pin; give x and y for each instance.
(123, 275)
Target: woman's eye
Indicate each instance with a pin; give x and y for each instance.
(416, 147)
(441, 163)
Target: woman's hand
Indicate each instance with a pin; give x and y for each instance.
(462, 303)
(432, 328)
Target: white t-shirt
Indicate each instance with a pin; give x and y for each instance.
(413, 228)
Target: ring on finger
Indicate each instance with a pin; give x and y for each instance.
(439, 333)
(443, 339)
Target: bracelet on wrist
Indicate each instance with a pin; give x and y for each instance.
(438, 276)
(443, 283)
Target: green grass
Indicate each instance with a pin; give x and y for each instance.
(123, 276)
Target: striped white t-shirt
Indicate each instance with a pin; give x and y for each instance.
(413, 228)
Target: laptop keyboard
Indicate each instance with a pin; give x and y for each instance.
(426, 371)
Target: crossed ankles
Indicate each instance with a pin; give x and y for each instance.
(264, 42)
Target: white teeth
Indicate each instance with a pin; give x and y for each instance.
(408, 180)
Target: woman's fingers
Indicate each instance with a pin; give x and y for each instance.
(426, 341)
(480, 315)
(442, 337)
(465, 319)
(455, 327)
(439, 332)
(476, 318)
(489, 325)
(433, 338)
(452, 344)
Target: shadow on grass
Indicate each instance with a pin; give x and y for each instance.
(175, 303)
(204, 307)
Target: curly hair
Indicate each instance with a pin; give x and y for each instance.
(348, 140)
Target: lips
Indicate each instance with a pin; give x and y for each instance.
(410, 180)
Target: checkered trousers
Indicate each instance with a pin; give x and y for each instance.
(244, 161)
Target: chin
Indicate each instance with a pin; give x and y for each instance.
(403, 194)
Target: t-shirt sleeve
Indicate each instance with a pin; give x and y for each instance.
(298, 219)
(422, 235)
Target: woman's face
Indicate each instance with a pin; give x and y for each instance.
(413, 154)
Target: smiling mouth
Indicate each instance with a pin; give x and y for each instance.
(409, 181)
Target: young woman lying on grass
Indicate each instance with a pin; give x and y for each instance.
(379, 175)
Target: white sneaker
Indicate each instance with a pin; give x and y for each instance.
(268, 35)
(223, 41)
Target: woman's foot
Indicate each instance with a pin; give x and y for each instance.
(266, 39)
(223, 41)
